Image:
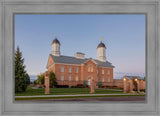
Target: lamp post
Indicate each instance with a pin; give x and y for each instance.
(124, 85)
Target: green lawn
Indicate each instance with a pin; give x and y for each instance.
(64, 91)
(67, 97)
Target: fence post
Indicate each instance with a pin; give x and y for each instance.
(131, 86)
(138, 86)
(124, 85)
(47, 91)
(92, 86)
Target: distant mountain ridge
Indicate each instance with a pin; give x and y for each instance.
(119, 75)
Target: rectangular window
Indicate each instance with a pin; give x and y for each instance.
(69, 78)
(69, 69)
(62, 69)
(62, 78)
(108, 79)
(102, 79)
(76, 69)
(88, 69)
(108, 72)
(91, 69)
(102, 71)
(77, 78)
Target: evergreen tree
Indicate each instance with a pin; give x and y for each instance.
(84, 83)
(22, 79)
(52, 79)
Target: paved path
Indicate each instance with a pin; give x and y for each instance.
(97, 99)
(72, 95)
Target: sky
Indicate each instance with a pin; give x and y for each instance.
(123, 35)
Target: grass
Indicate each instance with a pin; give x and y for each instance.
(67, 97)
(64, 91)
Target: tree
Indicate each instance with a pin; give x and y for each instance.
(144, 79)
(35, 82)
(84, 83)
(28, 79)
(22, 79)
(41, 78)
(52, 79)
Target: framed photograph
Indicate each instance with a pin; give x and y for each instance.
(75, 57)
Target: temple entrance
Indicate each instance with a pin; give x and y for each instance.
(89, 82)
(128, 86)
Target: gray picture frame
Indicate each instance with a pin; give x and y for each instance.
(148, 7)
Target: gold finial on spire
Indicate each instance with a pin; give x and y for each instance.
(101, 39)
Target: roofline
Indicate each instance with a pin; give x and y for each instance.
(76, 65)
(91, 60)
(132, 76)
(105, 67)
(68, 64)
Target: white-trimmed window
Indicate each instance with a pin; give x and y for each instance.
(62, 78)
(102, 79)
(69, 69)
(69, 78)
(102, 71)
(76, 69)
(90, 68)
(108, 79)
(76, 77)
(62, 69)
(108, 72)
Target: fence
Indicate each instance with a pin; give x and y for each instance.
(79, 84)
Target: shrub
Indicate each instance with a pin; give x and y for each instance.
(99, 84)
(79, 86)
(134, 89)
(62, 86)
(132, 92)
(73, 86)
(142, 90)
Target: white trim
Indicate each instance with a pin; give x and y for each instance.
(68, 64)
(50, 65)
(91, 60)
